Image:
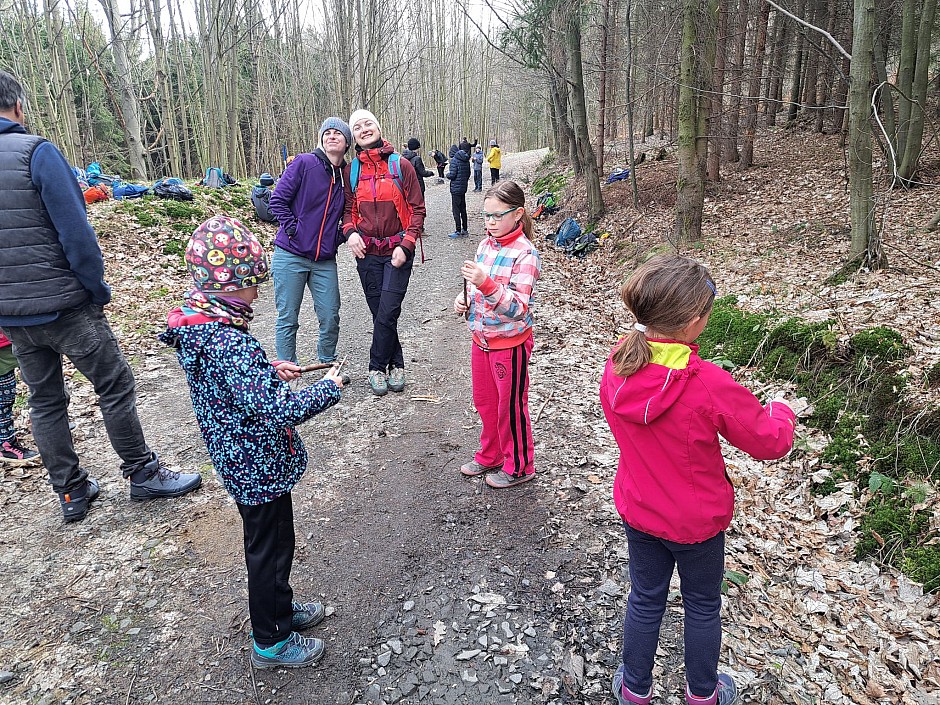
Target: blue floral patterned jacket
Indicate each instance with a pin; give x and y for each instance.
(245, 412)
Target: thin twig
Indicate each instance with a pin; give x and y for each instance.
(130, 687)
(538, 414)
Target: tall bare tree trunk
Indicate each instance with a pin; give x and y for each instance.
(753, 89)
(579, 115)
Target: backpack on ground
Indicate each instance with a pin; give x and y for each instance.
(583, 246)
(618, 174)
(214, 178)
(98, 192)
(545, 205)
(567, 233)
(122, 191)
(172, 189)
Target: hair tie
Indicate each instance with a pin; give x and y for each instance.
(640, 327)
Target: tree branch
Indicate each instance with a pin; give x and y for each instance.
(803, 22)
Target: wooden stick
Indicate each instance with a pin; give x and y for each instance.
(538, 415)
(318, 366)
(466, 298)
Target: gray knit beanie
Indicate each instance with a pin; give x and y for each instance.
(335, 123)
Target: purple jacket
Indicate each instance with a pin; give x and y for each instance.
(308, 203)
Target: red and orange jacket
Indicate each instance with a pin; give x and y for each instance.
(666, 418)
(382, 213)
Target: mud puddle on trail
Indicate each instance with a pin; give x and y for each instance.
(436, 583)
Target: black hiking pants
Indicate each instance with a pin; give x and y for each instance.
(458, 204)
(269, 554)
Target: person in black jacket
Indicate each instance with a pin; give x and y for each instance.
(411, 154)
(441, 161)
(459, 175)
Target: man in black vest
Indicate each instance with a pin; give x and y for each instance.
(52, 293)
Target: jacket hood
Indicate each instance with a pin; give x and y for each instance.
(646, 395)
(7, 125)
(409, 154)
(322, 156)
(189, 334)
(379, 149)
(460, 156)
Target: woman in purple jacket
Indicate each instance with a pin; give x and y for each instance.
(308, 203)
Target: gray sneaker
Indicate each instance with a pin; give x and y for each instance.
(396, 379)
(165, 483)
(378, 382)
(294, 652)
(306, 615)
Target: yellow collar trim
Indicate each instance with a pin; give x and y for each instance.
(672, 355)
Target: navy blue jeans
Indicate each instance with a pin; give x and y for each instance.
(385, 287)
(701, 570)
(84, 336)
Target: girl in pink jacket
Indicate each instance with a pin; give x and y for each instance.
(666, 408)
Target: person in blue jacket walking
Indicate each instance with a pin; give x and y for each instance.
(308, 203)
(459, 175)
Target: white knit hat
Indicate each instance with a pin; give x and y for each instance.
(363, 114)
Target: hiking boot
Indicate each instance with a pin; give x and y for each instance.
(75, 504)
(164, 482)
(500, 480)
(12, 453)
(378, 382)
(294, 652)
(396, 379)
(474, 469)
(464, 233)
(726, 693)
(306, 615)
(624, 695)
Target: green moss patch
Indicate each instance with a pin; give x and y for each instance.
(860, 399)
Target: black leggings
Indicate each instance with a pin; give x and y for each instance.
(494, 175)
(458, 203)
(440, 171)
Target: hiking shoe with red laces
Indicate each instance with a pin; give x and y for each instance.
(474, 469)
(500, 480)
(12, 453)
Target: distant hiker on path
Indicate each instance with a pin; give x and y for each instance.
(52, 294)
(494, 159)
(476, 161)
(308, 203)
(667, 408)
(459, 175)
(247, 413)
(411, 154)
(498, 305)
(441, 161)
(382, 222)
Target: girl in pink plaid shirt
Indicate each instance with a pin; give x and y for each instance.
(497, 301)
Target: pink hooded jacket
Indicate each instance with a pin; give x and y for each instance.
(666, 418)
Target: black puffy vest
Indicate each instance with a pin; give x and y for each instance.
(35, 276)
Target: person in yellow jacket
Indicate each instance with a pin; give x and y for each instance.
(493, 159)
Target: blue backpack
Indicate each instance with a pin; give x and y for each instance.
(394, 168)
(122, 191)
(214, 178)
(567, 233)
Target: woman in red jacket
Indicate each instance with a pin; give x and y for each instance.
(666, 408)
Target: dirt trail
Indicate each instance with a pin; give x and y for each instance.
(149, 604)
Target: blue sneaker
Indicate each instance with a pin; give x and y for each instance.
(294, 652)
(454, 235)
(306, 615)
(624, 695)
